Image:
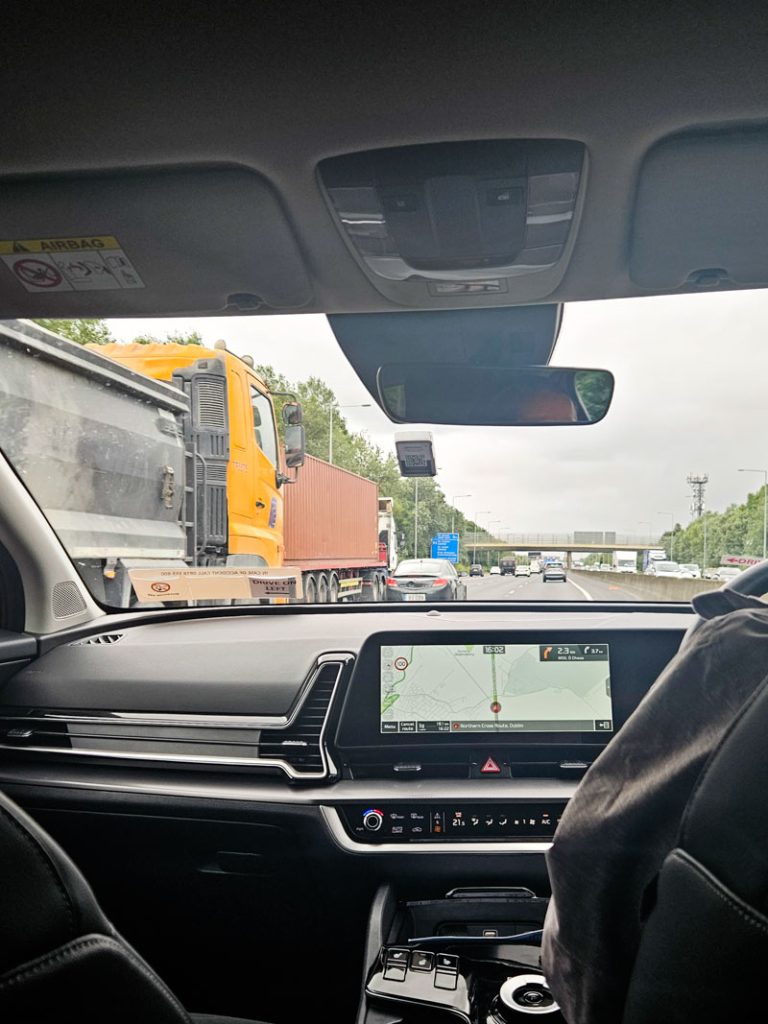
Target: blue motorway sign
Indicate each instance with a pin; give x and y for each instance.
(446, 545)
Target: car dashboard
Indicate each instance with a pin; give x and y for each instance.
(289, 709)
(253, 771)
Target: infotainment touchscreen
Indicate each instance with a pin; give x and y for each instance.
(484, 688)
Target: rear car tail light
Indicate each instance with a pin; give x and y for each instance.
(391, 582)
(440, 583)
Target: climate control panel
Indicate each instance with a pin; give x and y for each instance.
(519, 820)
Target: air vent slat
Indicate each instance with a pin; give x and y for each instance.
(102, 639)
(300, 743)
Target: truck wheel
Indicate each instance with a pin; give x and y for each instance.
(310, 589)
(322, 588)
(378, 589)
(333, 589)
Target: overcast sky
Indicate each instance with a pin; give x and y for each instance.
(691, 395)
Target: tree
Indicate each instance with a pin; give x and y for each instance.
(96, 332)
(84, 332)
(192, 338)
(737, 531)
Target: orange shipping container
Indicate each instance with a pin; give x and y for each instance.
(331, 518)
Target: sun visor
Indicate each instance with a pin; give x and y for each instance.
(701, 215)
(157, 242)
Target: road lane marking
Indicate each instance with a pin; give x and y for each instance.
(582, 590)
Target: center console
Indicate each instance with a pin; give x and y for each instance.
(491, 705)
(439, 822)
(473, 954)
(471, 744)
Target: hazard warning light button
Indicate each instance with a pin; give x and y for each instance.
(489, 767)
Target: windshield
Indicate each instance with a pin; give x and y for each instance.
(241, 459)
(422, 567)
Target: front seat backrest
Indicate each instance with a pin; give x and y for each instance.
(60, 958)
(704, 947)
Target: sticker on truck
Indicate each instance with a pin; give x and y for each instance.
(215, 584)
(76, 264)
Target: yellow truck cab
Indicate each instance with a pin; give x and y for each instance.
(252, 500)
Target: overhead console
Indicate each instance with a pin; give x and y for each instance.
(487, 220)
(493, 705)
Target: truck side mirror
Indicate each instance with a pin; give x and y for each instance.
(294, 445)
(292, 415)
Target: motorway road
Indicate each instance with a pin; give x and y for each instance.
(525, 588)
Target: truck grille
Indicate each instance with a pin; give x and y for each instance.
(211, 396)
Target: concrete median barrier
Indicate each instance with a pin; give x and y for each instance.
(648, 588)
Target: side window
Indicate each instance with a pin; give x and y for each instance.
(264, 424)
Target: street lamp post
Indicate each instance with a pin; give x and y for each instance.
(765, 503)
(331, 409)
(671, 534)
(416, 518)
(493, 522)
(453, 508)
(477, 523)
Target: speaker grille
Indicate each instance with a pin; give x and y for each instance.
(66, 600)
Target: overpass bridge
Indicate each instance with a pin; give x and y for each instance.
(567, 544)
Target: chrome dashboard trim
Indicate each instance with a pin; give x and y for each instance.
(247, 789)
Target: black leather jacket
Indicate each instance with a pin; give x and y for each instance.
(625, 816)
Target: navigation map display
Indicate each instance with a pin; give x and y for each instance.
(481, 688)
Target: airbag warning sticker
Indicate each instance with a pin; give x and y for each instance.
(80, 264)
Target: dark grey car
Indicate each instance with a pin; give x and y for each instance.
(425, 579)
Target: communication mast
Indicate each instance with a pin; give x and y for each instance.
(697, 485)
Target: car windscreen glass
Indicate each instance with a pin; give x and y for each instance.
(178, 467)
(419, 568)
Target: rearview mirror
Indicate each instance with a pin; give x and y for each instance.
(292, 414)
(294, 446)
(520, 396)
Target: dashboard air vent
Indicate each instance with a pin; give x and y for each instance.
(300, 745)
(100, 639)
